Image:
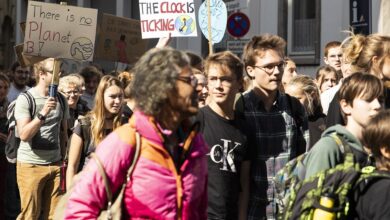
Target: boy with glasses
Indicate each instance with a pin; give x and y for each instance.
(277, 126)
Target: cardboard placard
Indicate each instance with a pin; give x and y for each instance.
(120, 40)
(161, 17)
(26, 60)
(60, 31)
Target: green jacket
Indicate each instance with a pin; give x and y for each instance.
(326, 153)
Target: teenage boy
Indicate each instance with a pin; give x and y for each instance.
(277, 124)
(361, 97)
(333, 54)
(228, 157)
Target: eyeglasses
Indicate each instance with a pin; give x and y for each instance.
(270, 68)
(191, 80)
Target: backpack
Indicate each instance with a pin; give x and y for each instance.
(13, 140)
(301, 197)
(85, 124)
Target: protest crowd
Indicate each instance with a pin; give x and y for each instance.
(180, 136)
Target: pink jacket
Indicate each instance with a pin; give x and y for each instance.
(156, 189)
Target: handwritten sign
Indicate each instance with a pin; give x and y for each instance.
(60, 31)
(120, 40)
(218, 20)
(160, 17)
(26, 60)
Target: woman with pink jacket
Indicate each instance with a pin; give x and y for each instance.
(170, 177)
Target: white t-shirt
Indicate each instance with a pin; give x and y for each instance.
(44, 147)
(327, 97)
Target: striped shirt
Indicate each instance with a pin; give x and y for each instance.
(278, 136)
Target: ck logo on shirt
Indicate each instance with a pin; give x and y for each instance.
(224, 154)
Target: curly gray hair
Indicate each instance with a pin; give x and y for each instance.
(155, 76)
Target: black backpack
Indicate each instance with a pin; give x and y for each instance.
(13, 140)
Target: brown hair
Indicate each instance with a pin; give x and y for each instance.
(227, 61)
(361, 49)
(322, 71)
(360, 85)
(5, 79)
(376, 135)
(98, 113)
(330, 45)
(259, 44)
(89, 72)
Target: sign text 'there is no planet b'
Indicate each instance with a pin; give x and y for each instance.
(60, 31)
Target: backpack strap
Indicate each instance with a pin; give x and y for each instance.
(31, 103)
(85, 124)
(61, 100)
(129, 171)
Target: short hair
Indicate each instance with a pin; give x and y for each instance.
(69, 80)
(376, 135)
(309, 88)
(89, 72)
(40, 66)
(329, 45)
(322, 71)
(360, 50)
(14, 66)
(155, 76)
(259, 44)
(361, 85)
(194, 58)
(227, 61)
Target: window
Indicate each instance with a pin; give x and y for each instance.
(301, 29)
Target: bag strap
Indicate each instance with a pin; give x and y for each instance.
(31, 103)
(129, 171)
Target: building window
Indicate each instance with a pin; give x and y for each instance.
(302, 30)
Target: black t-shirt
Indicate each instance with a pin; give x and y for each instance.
(374, 203)
(227, 149)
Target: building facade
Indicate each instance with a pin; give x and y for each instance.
(307, 25)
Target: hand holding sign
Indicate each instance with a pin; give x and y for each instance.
(218, 15)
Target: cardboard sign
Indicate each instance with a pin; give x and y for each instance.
(60, 31)
(26, 60)
(218, 20)
(120, 40)
(161, 17)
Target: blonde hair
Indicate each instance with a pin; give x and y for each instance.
(69, 80)
(99, 113)
(360, 50)
(308, 86)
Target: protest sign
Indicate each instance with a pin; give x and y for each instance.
(218, 13)
(120, 39)
(26, 60)
(161, 17)
(60, 31)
